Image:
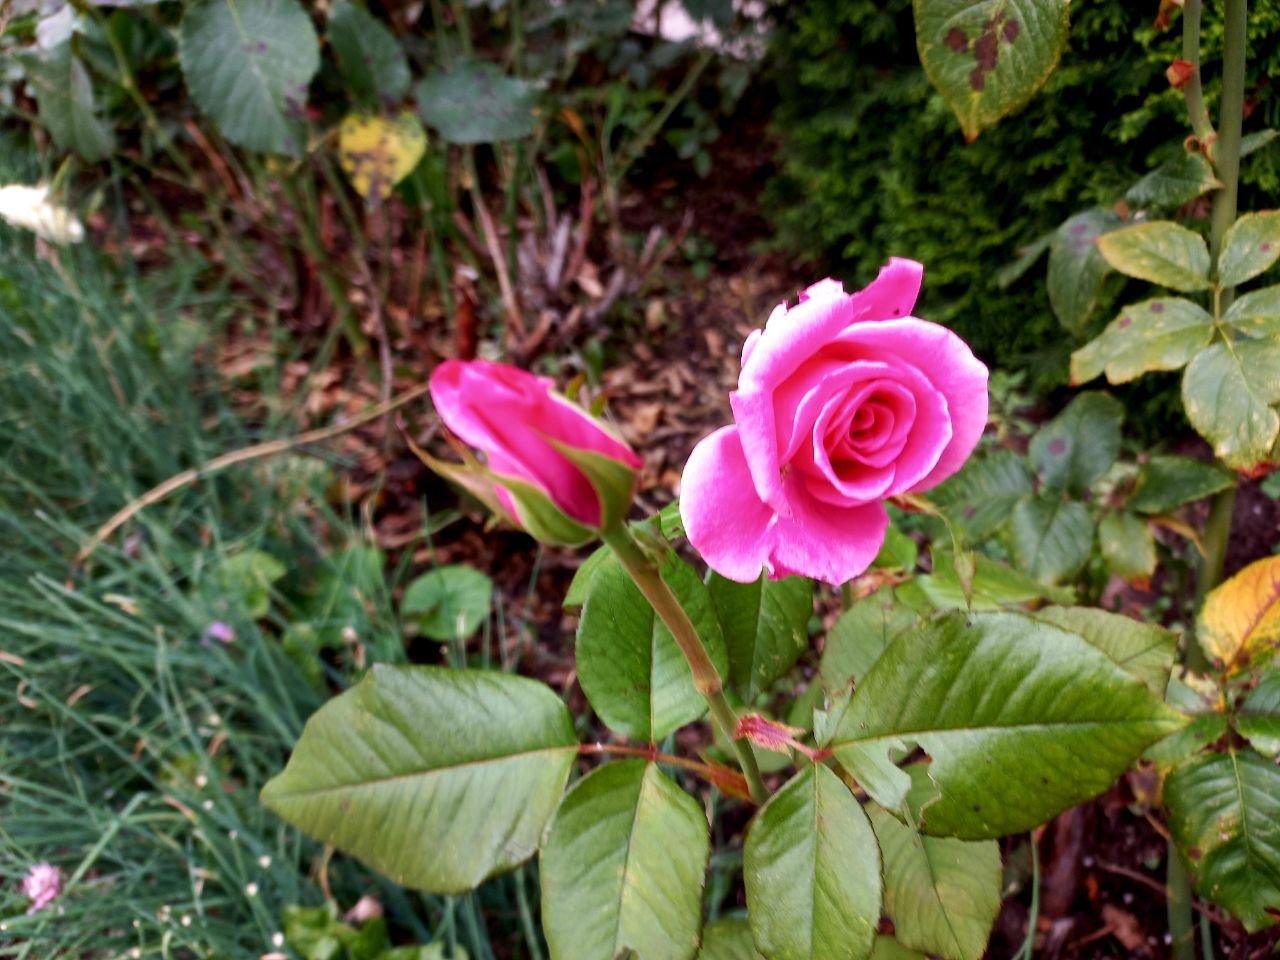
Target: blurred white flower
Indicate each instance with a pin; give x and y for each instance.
(31, 209)
(42, 885)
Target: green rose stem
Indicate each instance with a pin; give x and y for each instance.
(706, 678)
(1225, 153)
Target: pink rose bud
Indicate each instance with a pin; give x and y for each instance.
(42, 885)
(550, 467)
(844, 400)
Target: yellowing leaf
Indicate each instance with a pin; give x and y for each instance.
(1242, 616)
(379, 152)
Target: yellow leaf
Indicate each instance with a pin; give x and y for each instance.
(379, 152)
(1242, 616)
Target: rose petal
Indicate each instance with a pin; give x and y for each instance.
(825, 542)
(792, 337)
(949, 365)
(724, 518)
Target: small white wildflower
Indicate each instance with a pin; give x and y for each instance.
(202, 781)
(208, 804)
(186, 919)
(31, 209)
(277, 939)
(251, 889)
(264, 861)
(135, 953)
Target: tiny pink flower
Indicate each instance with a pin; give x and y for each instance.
(366, 908)
(844, 401)
(42, 885)
(516, 420)
(222, 632)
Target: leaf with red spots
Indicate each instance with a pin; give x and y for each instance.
(1077, 268)
(1160, 334)
(988, 57)
(1251, 247)
(1080, 444)
(1224, 813)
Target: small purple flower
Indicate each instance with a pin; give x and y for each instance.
(220, 631)
(42, 885)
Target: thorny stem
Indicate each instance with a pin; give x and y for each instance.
(1193, 90)
(706, 678)
(1226, 157)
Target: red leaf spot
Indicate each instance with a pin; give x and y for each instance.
(978, 79)
(1058, 447)
(1010, 30)
(986, 50)
(1157, 307)
(1124, 322)
(1265, 248)
(957, 40)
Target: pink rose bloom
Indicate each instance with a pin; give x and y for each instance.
(843, 401)
(515, 418)
(42, 885)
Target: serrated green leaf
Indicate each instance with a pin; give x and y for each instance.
(1080, 444)
(436, 777)
(981, 495)
(623, 867)
(67, 107)
(1161, 252)
(629, 665)
(986, 59)
(1175, 182)
(1077, 268)
(449, 602)
(765, 626)
(1143, 650)
(728, 938)
(580, 585)
(862, 633)
(1256, 314)
(942, 894)
(995, 585)
(248, 64)
(1020, 720)
(1167, 482)
(1251, 247)
(1259, 716)
(370, 58)
(898, 552)
(887, 948)
(1224, 813)
(1050, 539)
(1204, 729)
(1127, 546)
(812, 872)
(1160, 334)
(475, 102)
(1227, 392)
